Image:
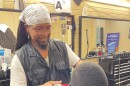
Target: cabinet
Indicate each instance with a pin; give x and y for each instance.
(117, 69)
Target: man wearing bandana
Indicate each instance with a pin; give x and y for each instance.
(40, 60)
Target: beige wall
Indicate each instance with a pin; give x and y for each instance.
(7, 4)
(93, 9)
(10, 19)
(76, 11)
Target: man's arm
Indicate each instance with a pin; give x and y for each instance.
(78, 63)
(18, 77)
(74, 60)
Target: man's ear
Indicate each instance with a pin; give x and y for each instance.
(26, 27)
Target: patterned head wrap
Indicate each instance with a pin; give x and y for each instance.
(35, 14)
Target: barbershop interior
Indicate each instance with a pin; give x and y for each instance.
(83, 43)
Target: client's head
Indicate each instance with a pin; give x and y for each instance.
(89, 74)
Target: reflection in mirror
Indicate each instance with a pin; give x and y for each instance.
(93, 35)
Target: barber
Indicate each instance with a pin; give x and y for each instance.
(40, 60)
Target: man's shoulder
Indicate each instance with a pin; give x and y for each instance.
(21, 50)
(56, 40)
(57, 43)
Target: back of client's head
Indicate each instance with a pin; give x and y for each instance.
(89, 74)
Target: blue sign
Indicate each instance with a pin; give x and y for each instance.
(1, 52)
(112, 42)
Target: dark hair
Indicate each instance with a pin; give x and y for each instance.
(22, 36)
(89, 74)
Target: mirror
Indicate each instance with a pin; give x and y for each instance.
(93, 30)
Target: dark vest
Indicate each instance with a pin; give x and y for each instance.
(36, 69)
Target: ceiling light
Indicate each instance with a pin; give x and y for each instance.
(122, 3)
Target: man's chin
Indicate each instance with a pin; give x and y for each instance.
(43, 45)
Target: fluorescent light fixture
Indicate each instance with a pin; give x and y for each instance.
(48, 1)
(122, 3)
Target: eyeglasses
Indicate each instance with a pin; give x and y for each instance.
(41, 28)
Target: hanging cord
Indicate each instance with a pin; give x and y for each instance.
(87, 42)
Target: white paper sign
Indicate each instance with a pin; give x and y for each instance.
(63, 6)
(3, 27)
